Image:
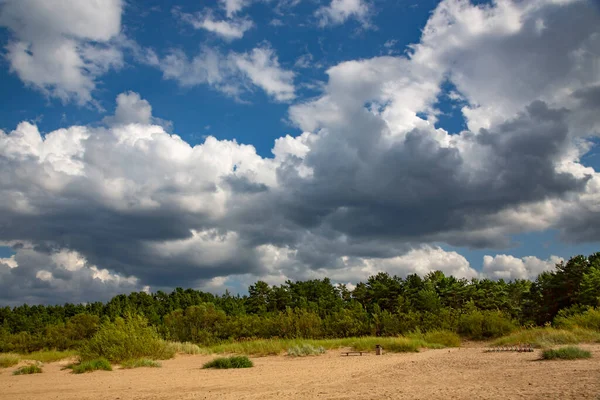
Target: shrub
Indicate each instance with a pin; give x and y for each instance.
(485, 324)
(589, 319)
(184, 348)
(91, 365)
(139, 363)
(126, 339)
(566, 353)
(28, 369)
(8, 360)
(229, 362)
(305, 350)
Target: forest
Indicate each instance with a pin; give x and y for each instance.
(384, 305)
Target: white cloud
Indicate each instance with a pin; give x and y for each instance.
(262, 67)
(61, 48)
(507, 267)
(229, 30)
(339, 11)
(233, 73)
(232, 7)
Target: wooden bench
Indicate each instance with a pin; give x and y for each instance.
(356, 353)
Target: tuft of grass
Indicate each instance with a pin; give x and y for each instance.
(140, 363)
(8, 360)
(184, 348)
(229, 362)
(27, 370)
(48, 356)
(305, 350)
(566, 353)
(547, 337)
(91, 365)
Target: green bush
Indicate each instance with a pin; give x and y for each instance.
(566, 353)
(91, 365)
(139, 363)
(8, 360)
(305, 350)
(485, 324)
(27, 370)
(126, 339)
(229, 362)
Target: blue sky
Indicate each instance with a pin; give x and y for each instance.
(452, 135)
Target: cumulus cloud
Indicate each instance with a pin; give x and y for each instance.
(339, 11)
(232, 74)
(61, 48)
(370, 185)
(507, 267)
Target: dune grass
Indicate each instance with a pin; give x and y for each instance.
(140, 363)
(548, 337)
(99, 364)
(229, 362)
(184, 348)
(8, 360)
(266, 347)
(28, 370)
(48, 356)
(566, 353)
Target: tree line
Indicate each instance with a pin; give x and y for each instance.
(384, 305)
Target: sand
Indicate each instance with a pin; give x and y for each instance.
(465, 373)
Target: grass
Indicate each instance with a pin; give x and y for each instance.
(28, 370)
(90, 366)
(305, 350)
(8, 360)
(140, 363)
(229, 362)
(48, 356)
(566, 353)
(266, 347)
(548, 337)
(184, 348)
(437, 339)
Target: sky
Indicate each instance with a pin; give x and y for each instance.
(148, 145)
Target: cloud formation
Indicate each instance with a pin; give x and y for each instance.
(61, 48)
(370, 185)
(232, 74)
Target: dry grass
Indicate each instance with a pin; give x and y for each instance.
(8, 360)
